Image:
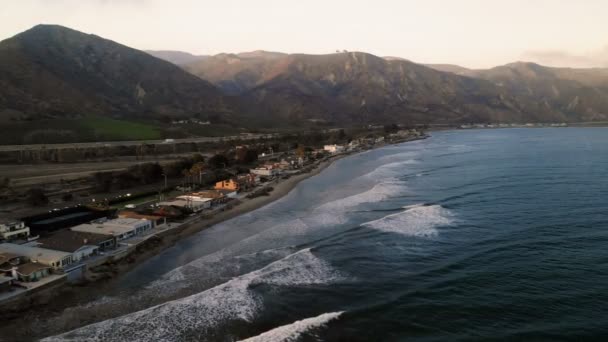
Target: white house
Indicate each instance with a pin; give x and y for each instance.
(120, 228)
(14, 230)
(48, 257)
(334, 148)
(183, 203)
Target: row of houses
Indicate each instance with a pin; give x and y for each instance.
(60, 251)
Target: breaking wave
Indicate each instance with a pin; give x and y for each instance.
(291, 332)
(235, 300)
(391, 169)
(416, 220)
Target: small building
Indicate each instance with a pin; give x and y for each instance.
(155, 219)
(120, 228)
(216, 196)
(205, 202)
(188, 204)
(246, 181)
(266, 171)
(11, 231)
(44, 256)
(334, 148)
(31, 271)
(228, 184)
(10, 260)
(169, 211)
(81, 244)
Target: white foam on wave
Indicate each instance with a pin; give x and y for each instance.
(291, 332)
(233, 300)
(415, 220)
(377, 193)
(391, 169)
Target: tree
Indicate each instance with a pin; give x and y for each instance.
(392, 128)
(150, 173)
(198, 158)
(103, 181)
(36, 197)
(218, 161)
(301, 151)
(249, 156)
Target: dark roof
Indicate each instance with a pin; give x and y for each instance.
(30, 267)
(70, 241)
(6, 257)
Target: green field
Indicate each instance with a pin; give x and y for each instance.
(86, 129)
(112, 129)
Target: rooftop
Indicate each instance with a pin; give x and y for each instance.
(124, 221)
(71, 241)
(101, 228)
(5, 257)
(30, 267)
(42, 255)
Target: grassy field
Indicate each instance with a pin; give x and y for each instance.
(112, 129)
(86, 129)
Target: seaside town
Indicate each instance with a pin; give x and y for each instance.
(92, 241)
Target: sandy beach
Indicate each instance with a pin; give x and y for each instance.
(155, 246)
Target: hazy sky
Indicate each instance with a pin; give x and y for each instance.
(472, 33)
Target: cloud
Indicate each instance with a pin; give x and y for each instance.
(560, 58)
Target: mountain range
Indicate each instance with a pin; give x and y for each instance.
(51, 72)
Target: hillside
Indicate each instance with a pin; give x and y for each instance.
(60, 85)
(175, 57)
(357, 87)
(238, 73)
(55, 72)
(578, 94)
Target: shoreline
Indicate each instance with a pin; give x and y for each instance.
(280, 190)
(101, 279)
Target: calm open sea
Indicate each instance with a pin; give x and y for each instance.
(468, 234)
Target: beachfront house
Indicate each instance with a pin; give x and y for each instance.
(120, 228)
(266, 170)
(43, 256)
(228, 184)
(15, 230)
(81, 244)
(155, 219)
(31, 271)
(334, 148)
(187, 203)
(18, 267)
(216, 196)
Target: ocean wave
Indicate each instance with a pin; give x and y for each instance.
(379, 192)
(391, 169)
(291, 332)
(416, 220)
(235, 300)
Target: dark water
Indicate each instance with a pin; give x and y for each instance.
(467, 235)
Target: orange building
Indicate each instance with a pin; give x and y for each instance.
(242, 182)
(228, 184)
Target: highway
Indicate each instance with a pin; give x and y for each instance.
(6, 148)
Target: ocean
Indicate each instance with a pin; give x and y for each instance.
(476, 234)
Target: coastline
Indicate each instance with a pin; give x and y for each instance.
(280, 189)
(102, 279)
